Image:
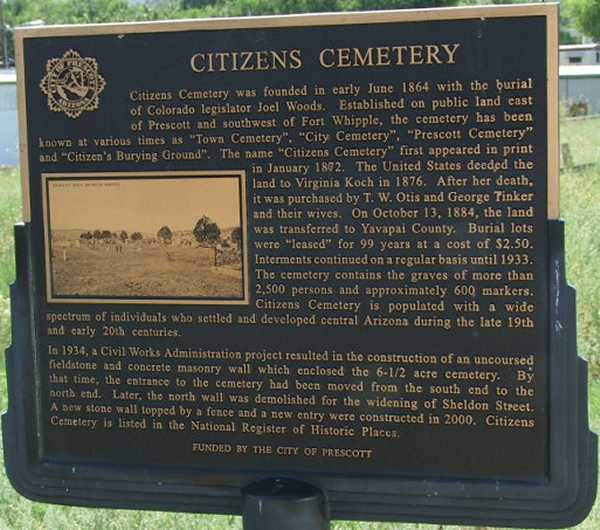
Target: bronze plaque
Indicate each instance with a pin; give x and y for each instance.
(318, 247)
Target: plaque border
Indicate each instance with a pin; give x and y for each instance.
(235, 173)
(550, 11)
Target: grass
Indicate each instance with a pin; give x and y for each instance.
(582, 137)
(581, 210)
(138, 272)
(10, 212)
(580, 199)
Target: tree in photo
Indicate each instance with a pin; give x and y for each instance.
(123, 236)
(97, 234)
(136, 236)
(106, 235)
(206, 231)
(236, 236)
(165, 235)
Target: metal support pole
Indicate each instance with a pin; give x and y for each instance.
(282, 504)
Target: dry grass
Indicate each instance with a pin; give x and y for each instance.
(143, 272)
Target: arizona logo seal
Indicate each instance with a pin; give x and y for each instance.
(72, 84)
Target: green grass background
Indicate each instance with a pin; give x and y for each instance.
(580, 207)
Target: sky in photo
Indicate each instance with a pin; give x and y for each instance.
(141, 204)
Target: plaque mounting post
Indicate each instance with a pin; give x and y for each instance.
(274, 504)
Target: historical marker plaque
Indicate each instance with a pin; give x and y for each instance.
(318, 247)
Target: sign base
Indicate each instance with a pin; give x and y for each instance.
(282, 503)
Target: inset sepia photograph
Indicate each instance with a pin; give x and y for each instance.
(146, 237)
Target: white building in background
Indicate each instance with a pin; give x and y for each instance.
(580, 86)
(580, 54)
(9, 130)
